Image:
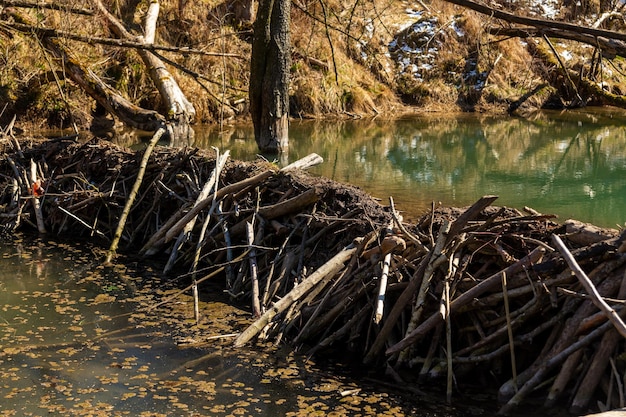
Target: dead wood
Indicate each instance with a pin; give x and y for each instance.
(105, 95)
(179, 111)
(333, 270)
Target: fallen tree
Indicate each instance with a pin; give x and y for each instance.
(608, 43)
(179, 112)
(105, 95)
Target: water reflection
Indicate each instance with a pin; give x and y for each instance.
(572, 164)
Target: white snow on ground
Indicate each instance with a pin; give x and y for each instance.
(545, 8)
(415, 48)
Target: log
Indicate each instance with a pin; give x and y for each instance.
(274, 211)
(305, 163)
(334, 265)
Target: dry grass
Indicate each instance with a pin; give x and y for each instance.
(341, 62)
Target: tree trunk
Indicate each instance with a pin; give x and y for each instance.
(179, 111)
(269, 75)
(129, 113)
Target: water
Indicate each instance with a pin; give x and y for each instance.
(77, 338)
(572, 164)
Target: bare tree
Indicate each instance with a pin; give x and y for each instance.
(269, 75)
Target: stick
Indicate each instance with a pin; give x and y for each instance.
(598, 365)
(279, 209)
(81, 221)
(436, 258)
(194, 266)
(307, 162)
(591, 289)
(211, 183)
(232, 188)
(509, 328)
(549, 365)
(35, 199)
(229, 247)
(334, 265)
(256, 304)
(398, 222)
(380, 302)
(133, 194)
(476, 291)
(445, 311)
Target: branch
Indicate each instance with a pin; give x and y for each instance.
(133, 194)
(50, 6)
(589, 287)
(539, 23)
(610, 47)
(56, 33)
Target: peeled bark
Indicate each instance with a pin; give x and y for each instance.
(129, 113)
(269, 75)
(179, 111)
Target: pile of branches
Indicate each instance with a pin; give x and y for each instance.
(463, 295)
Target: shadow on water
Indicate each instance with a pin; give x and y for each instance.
(572, 164)
(77, 338)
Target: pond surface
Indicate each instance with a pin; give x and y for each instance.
(572, 164)
(77, 338)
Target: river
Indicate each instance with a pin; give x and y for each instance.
(77, 338)
(571, 164)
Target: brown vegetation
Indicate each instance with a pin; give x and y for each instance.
(344, 61)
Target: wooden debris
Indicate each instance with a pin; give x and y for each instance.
(460, 296)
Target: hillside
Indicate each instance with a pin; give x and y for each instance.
(350, 59)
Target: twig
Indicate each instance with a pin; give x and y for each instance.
(591, 289)
(81, 221)
(133, 194)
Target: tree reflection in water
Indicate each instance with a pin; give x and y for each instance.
(572, 163)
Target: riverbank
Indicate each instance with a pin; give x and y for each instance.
(311, 258)
(375, 59)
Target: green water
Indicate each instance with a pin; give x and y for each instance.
(572, 164)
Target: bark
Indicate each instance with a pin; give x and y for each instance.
(178, 110)
(129, 113)
(269, 75)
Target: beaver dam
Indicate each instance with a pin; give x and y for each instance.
(508, 300)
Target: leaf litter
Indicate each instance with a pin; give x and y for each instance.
(76, 338)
